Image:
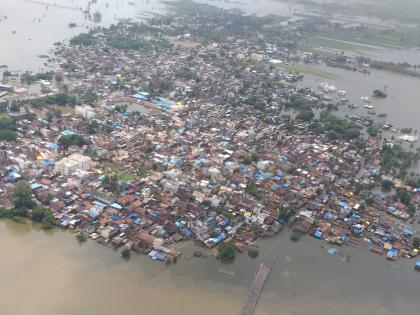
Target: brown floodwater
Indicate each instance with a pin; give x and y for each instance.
(49, 273)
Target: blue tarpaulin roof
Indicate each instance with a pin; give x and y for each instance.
(332, 251)
(318, 234)
(116, 206)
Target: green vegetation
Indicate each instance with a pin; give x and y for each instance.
(352, 38)
(29, 77)
(62, 99)
(406, 130)
(141, 44)
(126, 253)
(8, 135)
(69, 140)
(306, 114)
(86, 39)
(253, 190)
(48, 220)
(372, 131)
(7, 129)
(286, 212)
(387, 185)
(111, 183)
(416, 242)
(336, 44)
(22, 195)
(337, 128)
(12, 213)
(186, 74)
(191, 7)
(303, 107)
(90, 97)
(379, 94)
(127, 177)
(294, 237)
(307, 70)
(395, 158)
(253, 253)
(81, 238)
(406, 11)
(39, 213)
(403, 196)
(22, 199)
(227, 252)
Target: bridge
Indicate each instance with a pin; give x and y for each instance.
(260, 277)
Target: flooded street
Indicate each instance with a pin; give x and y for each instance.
(50, 273)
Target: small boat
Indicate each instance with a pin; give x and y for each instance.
(369, 106)
(342, 93)
(382, 115)
(365, 99)
(371, 112)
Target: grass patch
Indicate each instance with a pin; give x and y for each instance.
(191, 7)
(335, 44)
(308, 70)
(126, 177)
(390, 38)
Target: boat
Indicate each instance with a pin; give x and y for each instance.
(324, 86)
(371, 112)
(408, 138)
(369, 106)
(382, 115)
(385, 126)
(365, 99)
(342, 93)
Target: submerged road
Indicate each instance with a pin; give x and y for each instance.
(260, 277)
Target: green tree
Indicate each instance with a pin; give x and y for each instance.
(372, 131)
(227, 252)
(253, 253)
(48, 221)
(22, 195)
(8, 135)
(387, 185)
(125, 253)
(39, 213)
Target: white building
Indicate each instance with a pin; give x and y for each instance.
(84, 111)
(73, 163)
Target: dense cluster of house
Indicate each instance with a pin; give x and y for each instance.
(196, 158)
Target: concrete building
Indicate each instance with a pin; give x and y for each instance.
(84, 111)
(73, 163)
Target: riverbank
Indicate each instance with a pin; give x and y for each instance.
(305, 277)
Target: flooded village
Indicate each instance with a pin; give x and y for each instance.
(198, 129)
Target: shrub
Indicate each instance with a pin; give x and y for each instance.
(253, 253)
